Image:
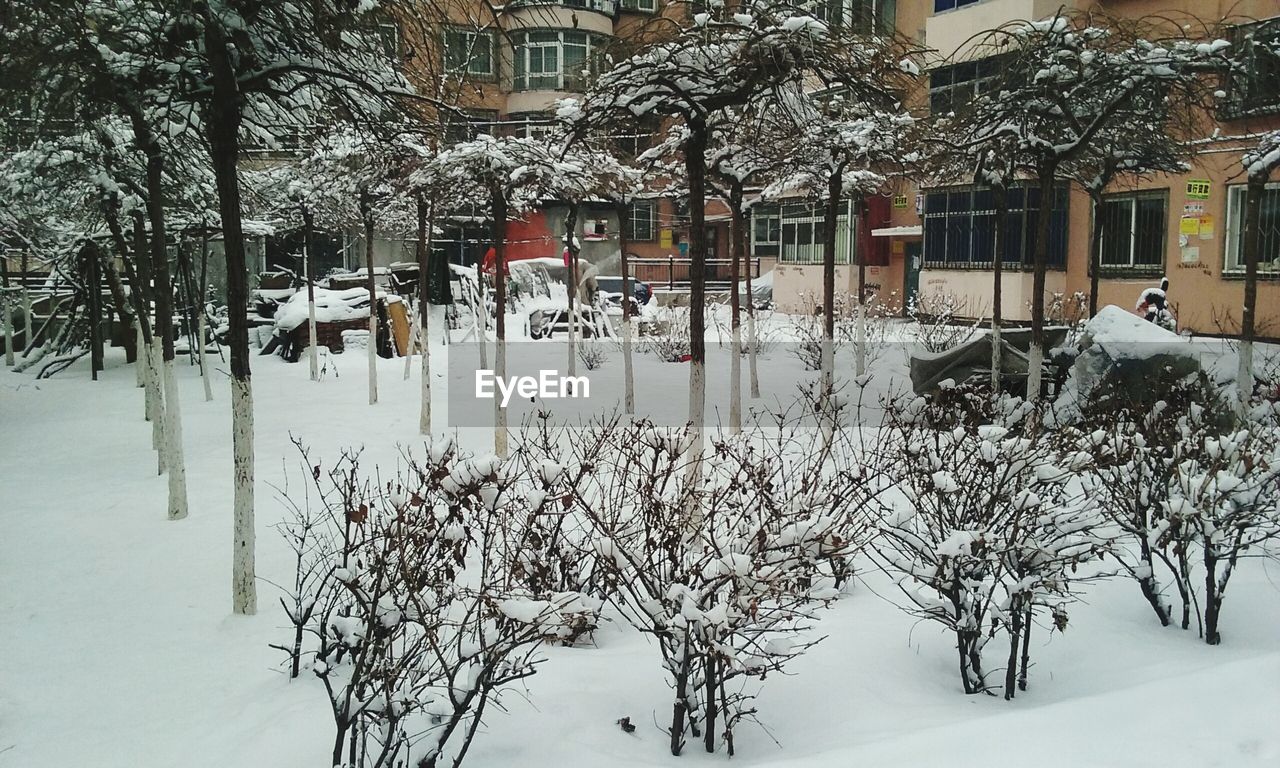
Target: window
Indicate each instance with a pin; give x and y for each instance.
(469, 52)
(555, 59)
(530, 125)
(952, 87)
(640, 220)
(382, 38)
(959, 227)
(1133, 230)
(1255, 89)
(1269, 221)
(801, 234)
(946, 5)
(766, 230)
(602, 6)
(858, 15)
(643, 6)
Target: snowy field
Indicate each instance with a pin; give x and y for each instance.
(120, 648)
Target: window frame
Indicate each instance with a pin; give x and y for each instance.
(1234, 233)
(1024, 210)
(465, 70)
(524, 41)
(650, 220)
(636, 6)
(1132, 266)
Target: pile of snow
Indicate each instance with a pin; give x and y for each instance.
(1123, 335)
(355, 339)
(1131, 351)
(331, 307)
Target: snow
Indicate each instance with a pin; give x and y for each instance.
(331, 307)
(121, 651)
(1124, 335)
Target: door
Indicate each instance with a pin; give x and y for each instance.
(913, 260)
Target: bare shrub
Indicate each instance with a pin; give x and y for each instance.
(940, 323)
(725, 568)
(415, 602)
(987, 528)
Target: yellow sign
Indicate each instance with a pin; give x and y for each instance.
(1189, 226)
(1198, 189)
(664, 238)
(897, 247)
(899, 201)
(1206, 227)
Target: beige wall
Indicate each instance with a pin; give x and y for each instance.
(797, 288)
(974, 288)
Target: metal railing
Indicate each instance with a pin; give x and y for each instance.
(673, 273)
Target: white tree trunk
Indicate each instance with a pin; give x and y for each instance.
(697, 415)
(28, 330)
(996, 352)
(735, 380)
(1035, 366)
(751, 353)
(629, 383)
(204, 359)
(313, 349)
(140, 360)
(373, 353)
(573, 328)
(1244, 374)
(828, 355)
(860, 347)
(157, 403)
(174, 460)
(244, 590)
(424, 334)
(500, 413)
(8, 328)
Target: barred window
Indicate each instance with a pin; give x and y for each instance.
(959, 227)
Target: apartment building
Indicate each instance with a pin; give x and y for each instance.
(1186, 226)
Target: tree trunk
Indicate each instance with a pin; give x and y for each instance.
(1015, 637)
(175, 464)
(679, 707)
(752, 341)
(829, 226)
(1035, 363)
(711, 687)
(628, 296)
(735, 316)
(308, 268)
(423, 245)
(8, 328)
(1001, 199)
(1026, 648)
(1095, 249)
(154, 402)
(366, 216)
(571, 221)
(201, 304)
(860, 345)
(223, 125)
(695, 158)
(1251, 249)
(499, 202)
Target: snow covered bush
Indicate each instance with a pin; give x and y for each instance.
(416, 602)
(987, 526)
(592, 356)
(1134, 452)
(1228, 496)
(725, 567)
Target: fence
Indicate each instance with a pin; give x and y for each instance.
(674, 274)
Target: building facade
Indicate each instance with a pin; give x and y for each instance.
(1185, 226)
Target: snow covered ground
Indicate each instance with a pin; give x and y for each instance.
(119, 647)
